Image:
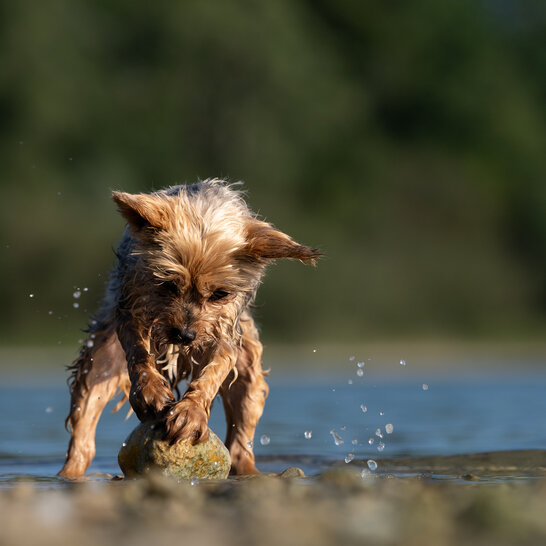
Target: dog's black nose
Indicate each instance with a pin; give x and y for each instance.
(183, 337)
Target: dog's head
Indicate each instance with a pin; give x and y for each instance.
(201, 255)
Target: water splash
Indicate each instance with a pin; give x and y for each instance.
(308, 434)
(337, 438)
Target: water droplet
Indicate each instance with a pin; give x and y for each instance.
(171, 412)
(402, 363)
(314, 350)
(49, 409)
(78, 408)
(389, 428)
(381, 413)
(85, 371)
(85, 289)
(250, 445)
(354, 441)
(76, 294)
(360, 364)
(343, 427)
(264, 440)
(364, 473)
(380, 446)
(105, 374)
(75, 305)
(360, 372)
(350, 382)
(351, 358)
(31, 295)
(194, 481)
(90, 343)
(371, 441)
(378, 433)
(50, 313)
(144, 374)
(337, 438)
(363, 408)
(425, 387)
(124, 444)
(349, 457)
(308, 434)
(372, 465)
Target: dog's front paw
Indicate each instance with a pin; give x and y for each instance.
(150, 396)
(186, 421)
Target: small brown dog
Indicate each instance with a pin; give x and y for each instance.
(177, 307)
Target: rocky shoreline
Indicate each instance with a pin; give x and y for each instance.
(339, 506)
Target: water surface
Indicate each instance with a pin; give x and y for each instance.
(430, 417)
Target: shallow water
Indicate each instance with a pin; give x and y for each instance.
(451, 417)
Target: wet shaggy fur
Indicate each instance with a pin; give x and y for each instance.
(177, 308)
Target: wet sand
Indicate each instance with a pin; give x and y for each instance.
(481, 499)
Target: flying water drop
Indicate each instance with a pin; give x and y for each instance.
(337, 438)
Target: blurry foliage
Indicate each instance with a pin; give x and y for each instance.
(407, 139)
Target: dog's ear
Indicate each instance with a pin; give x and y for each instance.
(142, 210)
(267, 243)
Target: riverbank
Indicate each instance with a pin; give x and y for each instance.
(337, 507)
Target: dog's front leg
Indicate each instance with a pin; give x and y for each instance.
(150, 391)
(188, 419)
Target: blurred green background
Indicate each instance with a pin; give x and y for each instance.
(406, 139)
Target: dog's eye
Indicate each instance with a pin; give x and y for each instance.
(172, 287)
(218, 295)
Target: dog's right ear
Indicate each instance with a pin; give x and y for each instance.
(142, 210)
(264, 242)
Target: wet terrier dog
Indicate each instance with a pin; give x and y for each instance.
(177, 307)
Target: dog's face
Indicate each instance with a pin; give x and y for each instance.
(201, 256)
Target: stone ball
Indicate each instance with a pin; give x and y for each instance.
(144, 451)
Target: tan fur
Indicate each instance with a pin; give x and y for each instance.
(178, 308)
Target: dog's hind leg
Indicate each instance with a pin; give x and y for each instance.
(98, 374)
(244, 395)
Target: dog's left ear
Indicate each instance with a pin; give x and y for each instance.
(267, 243)
(142, 210)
